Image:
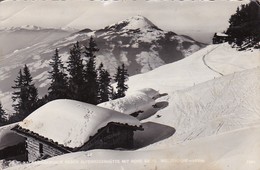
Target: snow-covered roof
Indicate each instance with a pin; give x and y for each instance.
(147, 91)
(222, 34)
(130, 103)
(71, 123)
(9, 137)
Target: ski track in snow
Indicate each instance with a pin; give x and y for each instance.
(204, 61)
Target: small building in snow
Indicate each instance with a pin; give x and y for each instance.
(132, 104)
(64, 126)
(219, 38)
(154, 94)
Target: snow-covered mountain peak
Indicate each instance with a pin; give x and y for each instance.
(133, 23)
(139, 22)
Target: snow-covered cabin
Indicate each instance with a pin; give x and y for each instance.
(154, 94)
(132, 104)
(63, 126)
(220, 38)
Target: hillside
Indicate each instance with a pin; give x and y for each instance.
(213, 124)
(136, 42)
(209, 63)
(212, 108)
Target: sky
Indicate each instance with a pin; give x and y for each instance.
(196, 16)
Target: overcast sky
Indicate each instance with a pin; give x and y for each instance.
(187, 15)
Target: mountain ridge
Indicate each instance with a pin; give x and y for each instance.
(141, 50)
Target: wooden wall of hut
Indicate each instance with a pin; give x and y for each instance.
(37, 150)
(110, 137)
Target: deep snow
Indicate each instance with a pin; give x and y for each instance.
(211, 121)
(71, 123)
(222, 152)
(191, 71)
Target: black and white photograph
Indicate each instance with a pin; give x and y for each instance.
(130, 84)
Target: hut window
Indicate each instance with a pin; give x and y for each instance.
(41, 148)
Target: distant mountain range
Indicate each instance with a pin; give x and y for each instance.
(16, 38)
(136, 42)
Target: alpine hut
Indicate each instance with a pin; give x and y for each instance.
(63, 126)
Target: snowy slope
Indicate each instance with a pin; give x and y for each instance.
(220, 104)
(206, 64)
(211, 108)
(216, 122)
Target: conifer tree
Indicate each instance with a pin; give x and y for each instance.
(2, 113)
(25, 96)
(121, 77)
(30, 97)
(90, 73)
(75, 68)
(104, 87)
(58, 88)
(17, 94)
